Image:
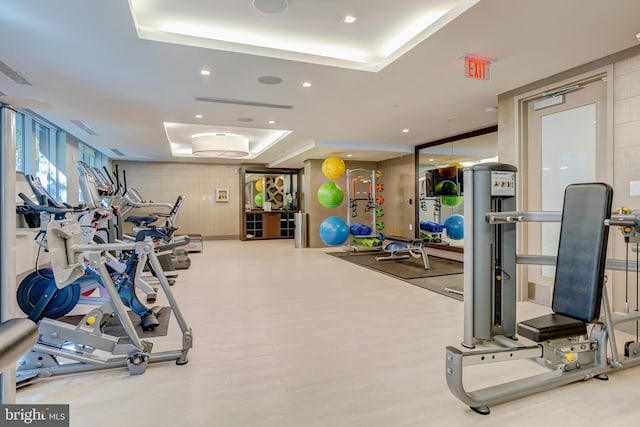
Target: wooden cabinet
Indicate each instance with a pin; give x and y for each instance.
(268, 225)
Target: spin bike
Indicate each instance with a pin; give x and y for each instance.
(64, 348)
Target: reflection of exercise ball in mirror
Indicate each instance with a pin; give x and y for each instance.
(259, 185)
(452, 201)
(455, 226)
(333, 231)
(446, 188)
(258, 200)
(333, 167)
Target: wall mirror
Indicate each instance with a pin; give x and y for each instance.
(270, 190)
(440, 186)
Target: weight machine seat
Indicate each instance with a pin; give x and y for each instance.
(550, 327)
(141, 221)
(580, 265)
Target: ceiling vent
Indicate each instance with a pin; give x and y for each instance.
(117, 152)
(244, 103)
(85, 127)
(13, 74)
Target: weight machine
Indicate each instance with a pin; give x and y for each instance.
(560, 341)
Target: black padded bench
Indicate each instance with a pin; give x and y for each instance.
(142, 221)
(580, 265)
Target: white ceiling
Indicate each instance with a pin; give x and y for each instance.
(90, 62)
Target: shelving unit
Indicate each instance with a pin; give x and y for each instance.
(287, 225)
(269, 225)
(254, 225)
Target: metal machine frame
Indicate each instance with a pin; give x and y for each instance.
(79, 343)
(351, 244)
(490, 307)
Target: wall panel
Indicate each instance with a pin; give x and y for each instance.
(200, 214)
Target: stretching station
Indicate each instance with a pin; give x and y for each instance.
(574, 341)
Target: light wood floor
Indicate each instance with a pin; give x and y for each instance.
(296, 338)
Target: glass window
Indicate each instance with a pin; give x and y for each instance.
(41, 150)
(20, 149)
(50, 158)
(43, 163)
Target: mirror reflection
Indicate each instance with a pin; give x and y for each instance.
(270, 191)
(441, 188)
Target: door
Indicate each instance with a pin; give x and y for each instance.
(565, 144)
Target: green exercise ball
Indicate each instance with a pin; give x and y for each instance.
(330, 195)
(446, 188)
(258, 200)
(452, 201)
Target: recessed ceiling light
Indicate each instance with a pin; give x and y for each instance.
(405, 130)
(272, 122)
(431, 160)
(271, 6)
(198, 116)
(638, 37)
(306, 84)
(270, 80)
(349, 155)
(205, 72)
(491, 109)
(349, 19)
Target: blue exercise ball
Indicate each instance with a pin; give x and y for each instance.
(455, 226)
(333, 231)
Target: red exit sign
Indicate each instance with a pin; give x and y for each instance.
(476, 68)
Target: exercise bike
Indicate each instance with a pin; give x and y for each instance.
(72, 348)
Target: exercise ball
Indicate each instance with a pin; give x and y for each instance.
(333, 231)
(330, 195)
(258, 200)
(446, 188)
(449, 171)
(333, 167)
(452, 201)
(455, 226)
(259, 185)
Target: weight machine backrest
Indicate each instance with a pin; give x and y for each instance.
(582, 250)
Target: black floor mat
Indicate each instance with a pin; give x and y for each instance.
(411, 270)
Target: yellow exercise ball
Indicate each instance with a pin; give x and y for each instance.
(333, 167)
(259, 185)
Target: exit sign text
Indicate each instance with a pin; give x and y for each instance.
(476, 68)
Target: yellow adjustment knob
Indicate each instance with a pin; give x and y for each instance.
(627, 229)
(91, 320)
(625, 210)
(498, 277)
(569, 357)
